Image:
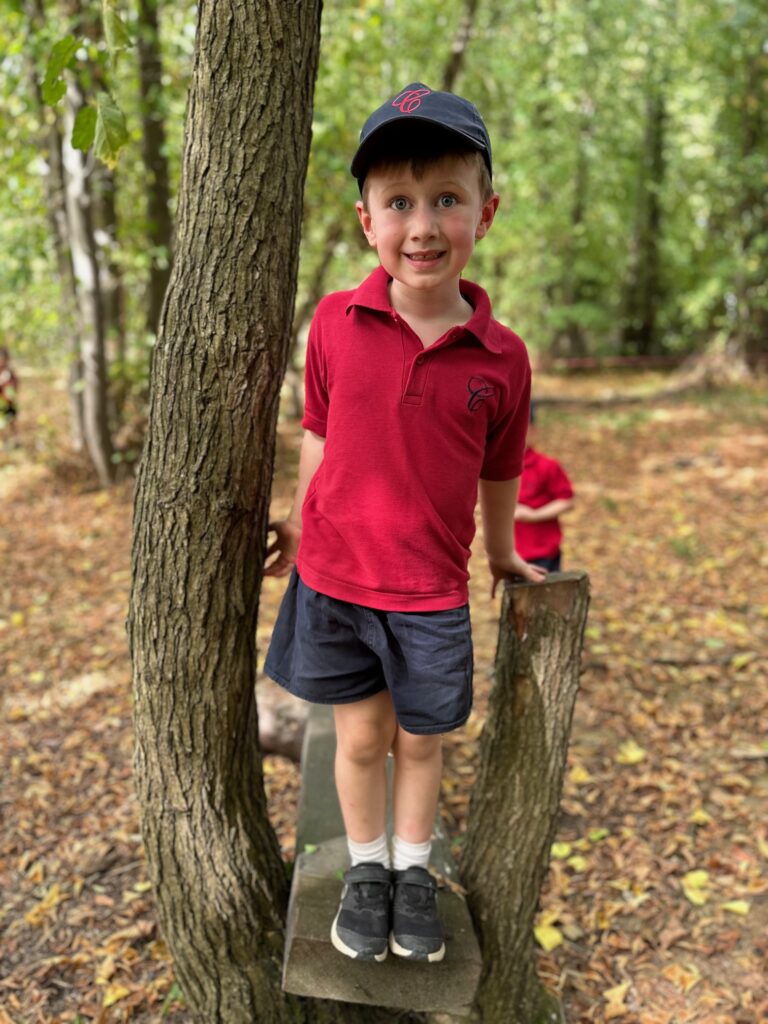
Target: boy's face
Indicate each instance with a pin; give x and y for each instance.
(425, 229)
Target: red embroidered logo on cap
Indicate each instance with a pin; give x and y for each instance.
(410, 100)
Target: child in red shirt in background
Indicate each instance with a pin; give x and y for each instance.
(545, 495)
(9, 384)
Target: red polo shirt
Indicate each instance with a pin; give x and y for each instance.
(389, 516)
(543, 480)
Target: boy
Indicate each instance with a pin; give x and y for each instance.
(415, 397)
(9, 385)
(545, 495)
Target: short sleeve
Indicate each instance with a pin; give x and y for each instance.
(558, 484)
(505, 444)
(315, 385)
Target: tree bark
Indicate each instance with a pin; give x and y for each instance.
(159, 222)
(85, 262)
(201, 510)
(515, 802)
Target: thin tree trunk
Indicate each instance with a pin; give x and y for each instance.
(202, 504)
(55, 188)
(643, 289)
(159, 222)
(455, 62)
(89, 296)
(515, 802)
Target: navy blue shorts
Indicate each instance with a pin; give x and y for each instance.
(334, 652)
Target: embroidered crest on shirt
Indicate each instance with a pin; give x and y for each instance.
(479, 389)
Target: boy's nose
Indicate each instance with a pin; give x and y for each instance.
(422, 223)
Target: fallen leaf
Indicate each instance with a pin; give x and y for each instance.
(737, 906)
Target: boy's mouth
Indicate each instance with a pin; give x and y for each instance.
(424, 257)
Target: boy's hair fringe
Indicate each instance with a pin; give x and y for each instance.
(418, 147)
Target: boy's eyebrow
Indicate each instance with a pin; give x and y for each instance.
(409, 184)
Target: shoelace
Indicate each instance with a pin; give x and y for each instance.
(366, 893)
(416, 899)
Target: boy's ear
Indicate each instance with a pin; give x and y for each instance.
(486, 216)
(366, 222)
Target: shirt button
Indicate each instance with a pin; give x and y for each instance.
(419, 360)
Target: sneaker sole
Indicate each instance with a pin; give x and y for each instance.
(354, 954)
(411, 954)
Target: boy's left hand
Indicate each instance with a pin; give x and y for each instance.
(514, 566)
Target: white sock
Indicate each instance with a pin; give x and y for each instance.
(375, 852)
(410, 855)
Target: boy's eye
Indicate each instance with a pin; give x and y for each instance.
(447, 201)
(399, 203)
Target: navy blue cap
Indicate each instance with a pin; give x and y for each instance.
(417, 102)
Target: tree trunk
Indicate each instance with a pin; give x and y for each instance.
(159, 223)
(55, 190)
(643, 290)
(455, 62)
(89, 296)
(515, 802)
(201, 510)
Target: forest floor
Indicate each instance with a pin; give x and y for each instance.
(656, 905)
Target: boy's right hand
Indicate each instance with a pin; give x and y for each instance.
(286, 545)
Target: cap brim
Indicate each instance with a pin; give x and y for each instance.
(359, 164)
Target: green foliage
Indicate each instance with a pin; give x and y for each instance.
(565, 90)
(62, 56)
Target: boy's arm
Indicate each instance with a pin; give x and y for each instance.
(498, 499)
(288, 531)
(552, 510)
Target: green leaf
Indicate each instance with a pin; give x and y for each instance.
(111, 131)
(53, 91)
(115, 30)
(84, 128)
(61, 57)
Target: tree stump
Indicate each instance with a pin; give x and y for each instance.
(514, 810)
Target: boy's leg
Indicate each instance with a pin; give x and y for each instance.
(365, 731)
(416, 929)
(416, 784)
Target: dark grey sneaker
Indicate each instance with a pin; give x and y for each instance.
(361, 925)
(416, 929)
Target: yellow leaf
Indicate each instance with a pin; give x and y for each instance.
(548, 937)
(737, 906)
(700, 817)
(696, 887)
(630, 753)
(615, 998)
(561, 850)
(51, 899)
(578, 863)
(105, 971)
(578, 775)
(742, 660)
(17, 618)
(114, 994)
(142, 886)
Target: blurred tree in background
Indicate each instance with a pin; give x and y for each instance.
(630, 148)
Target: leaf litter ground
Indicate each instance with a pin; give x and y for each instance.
(656, 905)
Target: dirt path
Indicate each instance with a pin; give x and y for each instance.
(657, 901)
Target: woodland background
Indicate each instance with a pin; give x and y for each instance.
(630, 145)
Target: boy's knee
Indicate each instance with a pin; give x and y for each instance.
(416, 747)
(364, 744)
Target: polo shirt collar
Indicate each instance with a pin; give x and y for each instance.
(373, 293)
